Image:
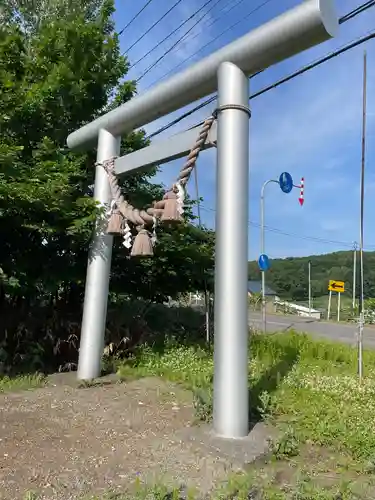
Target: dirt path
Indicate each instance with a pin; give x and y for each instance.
(63, 442)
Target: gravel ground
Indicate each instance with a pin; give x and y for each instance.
(63, 441)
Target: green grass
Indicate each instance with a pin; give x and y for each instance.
(22, 382)
(322, 302)
(307, 389)
(153, 492)
(310, 392)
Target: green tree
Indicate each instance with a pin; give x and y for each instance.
(289, 277)
(60, 66)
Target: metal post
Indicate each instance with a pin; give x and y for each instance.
(362, 205)
(207, 314)
(354, 274)
(338, 306)
(98, 270)
(262, 251)
(360, 345)
(231, 398)
(310, 288)
(329, 304)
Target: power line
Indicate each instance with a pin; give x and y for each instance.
(289, 77)
(135, 17)
(214, 39)
(153, 26)
(303, 236)
(214, 21)
(171, 33)
(180, 118)
(299, 72)
(347, 17)
(175, 44)
(357, 11)
(324, 59)
(295, 235)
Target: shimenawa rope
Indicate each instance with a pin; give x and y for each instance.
(170, 209)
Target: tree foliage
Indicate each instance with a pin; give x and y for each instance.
(289, 277)
(61, 67)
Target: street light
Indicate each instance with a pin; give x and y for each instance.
(285, 182)
(362, 202)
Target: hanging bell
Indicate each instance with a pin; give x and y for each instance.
(142, 245)
(171, 212)
(114, 226)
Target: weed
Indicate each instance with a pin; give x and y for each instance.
(286, 446)
(265, 405)
(30, 495)
(20, 383)
(238, 487)
(84, 384)
(308, 389)
(157, 491)
(202, 400)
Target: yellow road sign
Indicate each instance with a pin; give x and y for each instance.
(336, 286)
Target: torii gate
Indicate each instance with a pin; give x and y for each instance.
(227, 70)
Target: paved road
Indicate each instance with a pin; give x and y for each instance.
(342, 332)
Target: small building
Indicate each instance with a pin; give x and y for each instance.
(256, 287)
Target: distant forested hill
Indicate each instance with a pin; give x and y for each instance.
(289, 277)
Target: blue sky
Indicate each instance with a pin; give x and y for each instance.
(310, 126)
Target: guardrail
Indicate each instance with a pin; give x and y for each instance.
(289, 307)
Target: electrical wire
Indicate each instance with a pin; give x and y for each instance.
(171, 33)
(289, 77)
(312, 65)
(356, 11)
(153, 26)
(347, 17)
(153, 65)
(213, 40)
(214, 21)
(134, 18)
(295, 235)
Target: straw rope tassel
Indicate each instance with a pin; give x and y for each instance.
(170, 209)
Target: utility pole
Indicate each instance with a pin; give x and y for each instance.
(310, 288)
(361, 298)
(354, 274)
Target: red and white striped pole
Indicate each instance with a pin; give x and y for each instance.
(301, 198)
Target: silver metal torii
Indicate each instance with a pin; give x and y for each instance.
(227, 70)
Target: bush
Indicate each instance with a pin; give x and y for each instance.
(46, 338)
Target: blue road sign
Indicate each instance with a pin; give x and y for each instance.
(286, 182)
(263, 262)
